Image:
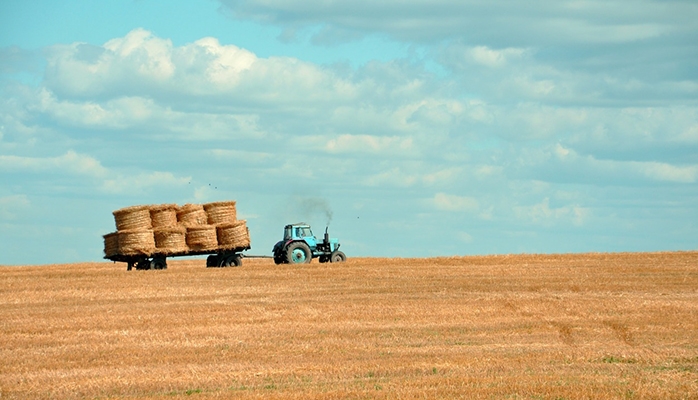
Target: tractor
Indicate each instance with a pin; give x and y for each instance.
(300, 246)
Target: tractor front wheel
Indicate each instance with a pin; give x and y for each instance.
(298, 253)
(338, 256)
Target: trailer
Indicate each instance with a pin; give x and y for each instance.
(147, 235)
(217, 258)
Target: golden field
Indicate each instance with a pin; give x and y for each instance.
(515, 327)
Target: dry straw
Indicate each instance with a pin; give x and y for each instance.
(111, 244)
(221, 212)
(192, 215)
(163, 215)
(202, 237)
(171, 240)
(233, 236)
(136, 242)
(133, 218)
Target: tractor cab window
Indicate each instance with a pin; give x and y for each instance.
(288, 233)
(305, 232)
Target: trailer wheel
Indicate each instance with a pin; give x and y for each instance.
(212, 261)
(158, 263)
(143, 264)
(298, 252)
(232, 260)
(338, 256)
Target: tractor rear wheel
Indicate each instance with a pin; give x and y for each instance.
(338, 256)
(297, 253)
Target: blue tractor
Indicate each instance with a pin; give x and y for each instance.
(300, 246)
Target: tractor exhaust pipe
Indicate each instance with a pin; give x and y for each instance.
(327, 236)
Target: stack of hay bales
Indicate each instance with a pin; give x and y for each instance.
(169, 229)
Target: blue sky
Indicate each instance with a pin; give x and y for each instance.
(415, 128)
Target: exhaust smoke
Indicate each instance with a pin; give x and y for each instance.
(309, 207)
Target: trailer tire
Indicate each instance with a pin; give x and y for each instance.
(298, 253)
(158, 263)
(212, 261)
(338, 256)
(233, 260)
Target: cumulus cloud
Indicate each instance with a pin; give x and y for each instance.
(123, 184)
(542, 213)
(561, 164)
(11, 206)
(70, 162)
(449, 202)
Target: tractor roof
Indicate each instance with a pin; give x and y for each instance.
(298, 224)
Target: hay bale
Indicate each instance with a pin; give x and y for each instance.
(192, 215)
(111, 244)
(221, 212)
(202, 238)
(171, 240)
(234, 235)
(133, 218)
(163, 215)
(136, 242)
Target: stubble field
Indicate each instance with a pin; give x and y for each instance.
(519, 327)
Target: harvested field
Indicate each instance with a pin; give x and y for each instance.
(518, 327)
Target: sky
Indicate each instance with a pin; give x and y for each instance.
(412, 128)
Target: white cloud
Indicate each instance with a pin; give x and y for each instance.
(391, 145)
(494, 58)
(123, 184)
(497, 23)
(449, 202)
(71, 162)
(394, 177)
(543, 214)
(560, 163)
(11, 205)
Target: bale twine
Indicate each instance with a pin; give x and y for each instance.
(221, 212)
(163, 215)
(192, 215)
(171, 240)
(111, 244)
(136, 241)
(133, 218)
(234, 235)
(202, 237)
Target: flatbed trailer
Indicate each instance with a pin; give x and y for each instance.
(216, 258)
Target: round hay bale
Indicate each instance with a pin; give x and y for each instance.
(171, 240)
(111, 244)
(192, 215)
(221, 212)
(234, 235)
(202, 237)
(136, 241)
(163, 215)
(133, 218)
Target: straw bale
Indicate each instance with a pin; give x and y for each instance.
(234, 235)
(192, 215)
(171, 240)
(221, 212)
(133, 218)
(136, 241)
(163, 215)
(202, 237)
(111, 244)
